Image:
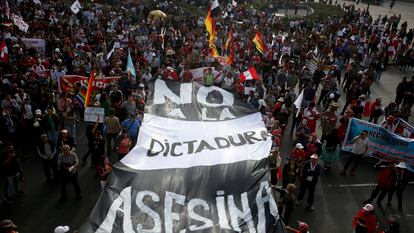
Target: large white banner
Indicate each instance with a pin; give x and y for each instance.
(200, 165)
(178, 145)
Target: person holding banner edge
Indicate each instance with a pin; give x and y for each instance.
(359, 149)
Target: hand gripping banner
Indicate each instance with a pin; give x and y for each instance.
(200, 165)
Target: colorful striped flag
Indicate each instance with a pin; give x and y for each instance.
(89, 90)
(259, 42)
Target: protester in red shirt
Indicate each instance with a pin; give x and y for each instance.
(298, 153)
(302, 228)
(385, 182)
(365, 220)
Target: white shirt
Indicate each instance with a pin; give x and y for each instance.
(360, 146)
(146, 77)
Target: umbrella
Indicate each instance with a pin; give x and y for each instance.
(158, 13)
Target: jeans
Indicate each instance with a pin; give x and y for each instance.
(322, 97)
(66, 179)
(50, 164)
(373, 119)
(382, 191)
(10, 181)
(353, 158)
(53, 136)
(109, 138)
(72, 129)
(310, 186)
(398, 191)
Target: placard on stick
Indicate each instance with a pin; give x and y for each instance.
(91, 114)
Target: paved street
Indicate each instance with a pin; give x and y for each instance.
(337, 199)
(403, 8)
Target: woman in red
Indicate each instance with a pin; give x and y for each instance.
(123, 143)
(314, 146)
(277, 133)
(311, 114)
(365, 220)
(298, 153)
(343, 126)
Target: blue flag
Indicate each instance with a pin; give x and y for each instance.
(130, 66)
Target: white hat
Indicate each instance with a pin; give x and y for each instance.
(401, 165)
(57, 50)
(38, 111)
(299, 145)
(62, 229)
(314, 156)
(368, 207)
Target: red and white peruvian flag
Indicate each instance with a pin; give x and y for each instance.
(249, 74)
(4, 51)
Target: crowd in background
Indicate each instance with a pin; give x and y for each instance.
(352, 51)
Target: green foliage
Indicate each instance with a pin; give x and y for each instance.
(322, 10)
(190, 9)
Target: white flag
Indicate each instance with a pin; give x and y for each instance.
(76, 6)
(225, 15)
(110, 53)
(19, 22)
(234, 3)
(37, 2)
(298, 103)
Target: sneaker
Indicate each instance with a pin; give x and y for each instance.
(299, 203)
(310, 208)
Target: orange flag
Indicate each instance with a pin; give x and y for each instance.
(259, 42)
(89, 91)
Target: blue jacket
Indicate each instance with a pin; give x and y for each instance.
(132, 126)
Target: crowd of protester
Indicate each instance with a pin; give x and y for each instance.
(355, 47)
